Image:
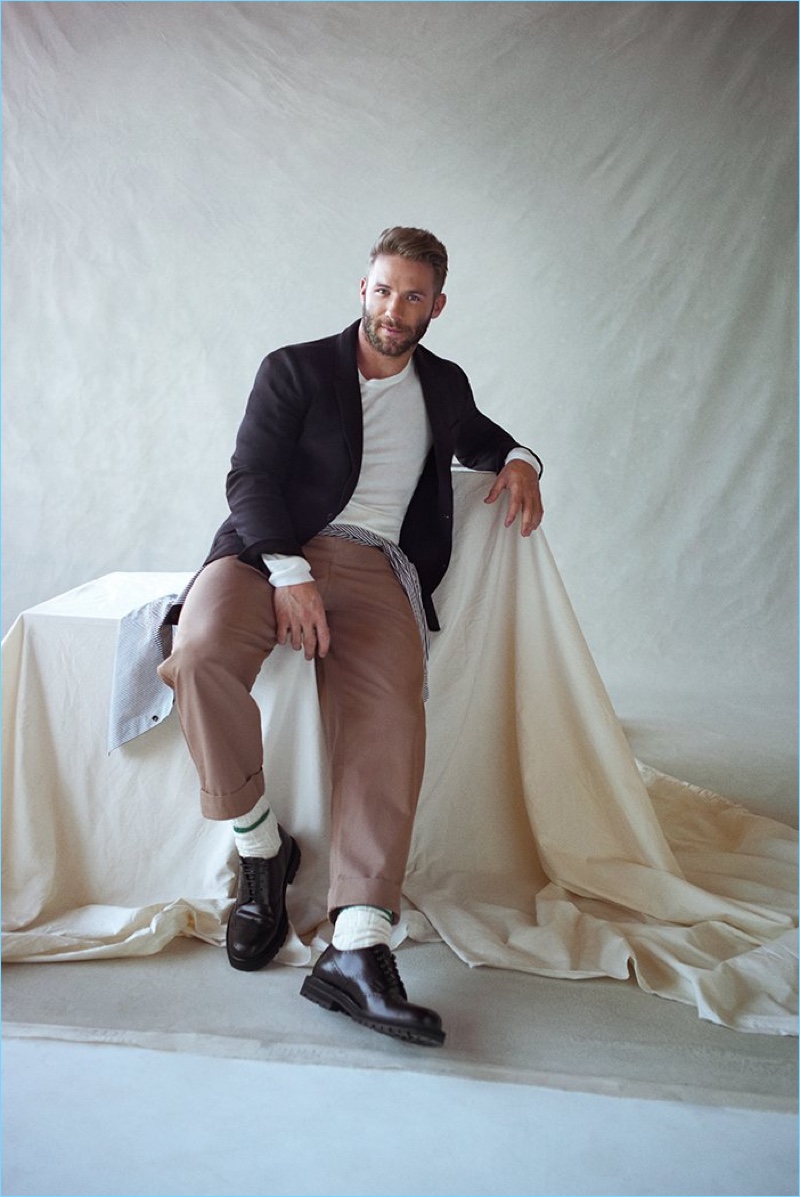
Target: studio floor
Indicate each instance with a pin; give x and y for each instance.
(172, 1074)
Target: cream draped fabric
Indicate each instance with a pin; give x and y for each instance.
(541, 844)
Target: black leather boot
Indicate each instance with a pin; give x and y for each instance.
(258, 924)
(364, 983)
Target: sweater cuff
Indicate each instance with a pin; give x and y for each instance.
(285, 570)
(520, 454)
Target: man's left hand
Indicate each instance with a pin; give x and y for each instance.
(524, 498)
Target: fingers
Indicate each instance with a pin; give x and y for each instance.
(310, 635)
(532, 513)
(300, 619)
(532, 521)
(524, 498)
(496, 491)
(316, 639)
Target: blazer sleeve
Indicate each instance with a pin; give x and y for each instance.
(480, 444)
(265, 446)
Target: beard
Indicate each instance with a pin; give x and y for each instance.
(392, 346)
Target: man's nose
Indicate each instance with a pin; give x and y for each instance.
(394, 306)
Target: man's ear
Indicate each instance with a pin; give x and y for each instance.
(438, 305)
(363, 289)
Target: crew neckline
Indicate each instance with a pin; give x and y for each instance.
(391, 380)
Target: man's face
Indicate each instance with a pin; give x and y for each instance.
(398, 302)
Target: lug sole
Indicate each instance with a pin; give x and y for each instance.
(333, 999)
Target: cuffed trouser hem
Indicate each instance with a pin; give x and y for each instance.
(364, 891)
(370, 686)
(231, 806)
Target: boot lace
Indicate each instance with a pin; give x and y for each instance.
(252, 880)
(388, 967)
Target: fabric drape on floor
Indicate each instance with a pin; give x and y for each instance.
(541, 844)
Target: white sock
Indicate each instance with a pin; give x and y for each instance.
(257, 832)
(361, 927)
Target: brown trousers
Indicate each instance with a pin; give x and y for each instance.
(370, 690)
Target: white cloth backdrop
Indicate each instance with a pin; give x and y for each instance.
(188, 186)
(540, 844)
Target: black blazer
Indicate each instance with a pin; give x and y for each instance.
(298, 455)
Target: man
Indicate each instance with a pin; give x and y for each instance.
(340, 530)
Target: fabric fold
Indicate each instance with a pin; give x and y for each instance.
(541, 843)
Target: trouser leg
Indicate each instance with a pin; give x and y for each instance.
(225, 632)
(370, 688)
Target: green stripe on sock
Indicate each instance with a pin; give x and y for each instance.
(258, 822)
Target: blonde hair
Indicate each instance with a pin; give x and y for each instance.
(416, 244)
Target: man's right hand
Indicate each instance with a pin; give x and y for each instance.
(301, 620)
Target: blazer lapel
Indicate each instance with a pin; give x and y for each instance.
(436, 407)
(348, 393)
